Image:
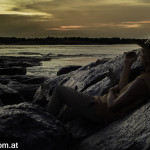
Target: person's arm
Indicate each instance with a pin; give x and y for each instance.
(137, 91)
(130, 58)
(124, 79)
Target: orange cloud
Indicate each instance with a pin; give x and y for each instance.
(140, 22)
(66, 28)
(130, 24)
(121, 25)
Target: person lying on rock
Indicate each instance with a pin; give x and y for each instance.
(120, 99)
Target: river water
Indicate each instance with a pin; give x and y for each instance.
(63, 55)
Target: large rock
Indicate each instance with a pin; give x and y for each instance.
(93, 79)
(129, 133)
(9, 96)
(26, 85)
(26, 90)
(23, 61)
(67, 69)
(13, 71)
(32, 128)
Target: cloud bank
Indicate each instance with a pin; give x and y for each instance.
(85, 18)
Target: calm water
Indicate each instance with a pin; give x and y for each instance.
(63, 55)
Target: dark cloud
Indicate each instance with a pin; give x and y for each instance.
(15, 9)
(144, 1)
(16, 25)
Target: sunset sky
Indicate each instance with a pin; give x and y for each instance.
(79, 18)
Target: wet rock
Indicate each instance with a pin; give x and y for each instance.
(26, 90)
(96, 79)
(67, 69)
(130, 132)
(4, 79)
(28, 53)
(22, 64)
(28, 79)
(93, 79)
(9, 96)
(7, 61)
(44, 92)
(84, 78)
(13, 71)
(26, 85)
(32, 128)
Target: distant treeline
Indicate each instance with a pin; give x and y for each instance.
(66, 41)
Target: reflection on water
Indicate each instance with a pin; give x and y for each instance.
(50, 68)
(63, 55)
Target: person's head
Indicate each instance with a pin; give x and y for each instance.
(145, 54)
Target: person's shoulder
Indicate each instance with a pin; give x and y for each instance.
(145, 77)
(139, 87)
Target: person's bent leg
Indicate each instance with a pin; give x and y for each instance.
(55, 103)
(80, 103)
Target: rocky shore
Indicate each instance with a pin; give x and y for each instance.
(23, 116)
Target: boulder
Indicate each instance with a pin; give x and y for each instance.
(96, 79)
(26, 85)
(26, 90)
(9, 96)
(32, 128)
(129, 133)
(27, 79)
(67, 69)
(21, 61)
(4, 79)
(93, 79)
(19, 64)
(13, 71)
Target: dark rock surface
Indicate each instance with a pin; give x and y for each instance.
(12, 61)
(67, 69)
(26, 85)
(103, 73)
(22, 61)
(13, 76)
(93, 79)
(129, 133)
(9, 96)
(32, 128)
(13, 71)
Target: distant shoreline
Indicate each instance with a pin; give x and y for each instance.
(66, 41)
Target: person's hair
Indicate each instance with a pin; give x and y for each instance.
(146, 51)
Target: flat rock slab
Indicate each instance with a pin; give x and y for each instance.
(129, 133)
(13, 71)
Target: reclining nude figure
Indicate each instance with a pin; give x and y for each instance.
(119, 100)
